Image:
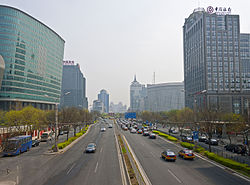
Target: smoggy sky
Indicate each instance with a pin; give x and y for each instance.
(115, 39)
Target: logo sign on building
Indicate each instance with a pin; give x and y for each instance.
(68, 62)
(219, 10)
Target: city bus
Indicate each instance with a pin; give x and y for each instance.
(17, 145)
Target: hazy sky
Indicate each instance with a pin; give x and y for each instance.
(115, 39)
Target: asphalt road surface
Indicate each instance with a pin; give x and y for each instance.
(73, 167)
(160, 172)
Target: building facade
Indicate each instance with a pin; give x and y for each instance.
(103, 96)
(138, 93)
(98, 106)
(212, 61)
(73, 92)
(165, 96)
(33, 55)
(117, 108)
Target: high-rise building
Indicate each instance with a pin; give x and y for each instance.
(138, 93)
(98, 106)
(73, 86)
(33, 55)
(165, 96)
(103, 96)
(212, 61)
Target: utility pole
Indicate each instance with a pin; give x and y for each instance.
(55, 149)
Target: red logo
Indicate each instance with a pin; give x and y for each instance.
(210, 9)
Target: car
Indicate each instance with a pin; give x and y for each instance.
(133, 131)
(202, 138)
(174, 132)
(35, 142)
(65, 132)
(103, 129)
(186, 154)
(110, 126)
(168, 155)
(91, 148)
(139, 131)
(212, 142)
(60, 132)
(125, 128)
(235, 148)
(145, 133)
(187, 139)
(152, 136)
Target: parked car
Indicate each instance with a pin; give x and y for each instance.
(202, 138)
(168, 155)
(187, 139)
(91, 148)
(35, 142)
(186, 154)
(239, 149)
(212, 142)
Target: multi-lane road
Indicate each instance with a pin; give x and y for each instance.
(196, 172)
(74, 167)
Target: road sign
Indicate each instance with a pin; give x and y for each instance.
(196, 136)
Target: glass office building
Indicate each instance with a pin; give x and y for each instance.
(33, 55)
(212, 62)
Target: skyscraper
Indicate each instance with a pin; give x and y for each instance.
(103, 96)
(73, 86)
(32, 54)
(212, 61)
(137, 94)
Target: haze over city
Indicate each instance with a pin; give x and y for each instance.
(113, 40)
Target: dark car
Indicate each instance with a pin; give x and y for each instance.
(91, 148)
(239, 149)
(145, 133)
(35, 143)
(212, 142)
(202, 139)
(152, 136)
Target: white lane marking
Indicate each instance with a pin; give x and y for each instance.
(17, 177)
(96, 167)
(174, 176)
(71, 168)
(101, 150)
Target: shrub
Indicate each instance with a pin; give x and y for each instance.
(228, 162)
(79, 134)
(187, 145)
(171, 138)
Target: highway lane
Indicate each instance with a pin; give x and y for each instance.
(180, 172)
(77, 167)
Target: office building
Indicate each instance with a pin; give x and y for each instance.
(117, 108)
(165, 96)
(103, 96)
(73, 86)
(2, 68)
(137, 94)
(32, 54)
(98, 106)
(212, 61)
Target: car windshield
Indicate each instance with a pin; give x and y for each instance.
(91, 145)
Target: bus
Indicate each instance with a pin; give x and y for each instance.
(17, 145)
(46, 136)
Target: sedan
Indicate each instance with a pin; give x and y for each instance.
(168, 155)
(202, 138)
(152, 136)
(133, 131)
(186, 154)
(139, 131)
(145, 133)
(35, 143)
(212, 142)
(103, 129)
(91, 148)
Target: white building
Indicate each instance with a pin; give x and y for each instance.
(137, 94)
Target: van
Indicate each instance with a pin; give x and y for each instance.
(46, 136)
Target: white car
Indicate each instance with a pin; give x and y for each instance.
(133, 131)
(103, 129)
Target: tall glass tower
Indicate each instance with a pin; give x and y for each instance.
(212, 62)
(33, 56)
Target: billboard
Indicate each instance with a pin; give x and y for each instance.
(131, 115)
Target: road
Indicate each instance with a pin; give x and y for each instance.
(72, 167)
(182, 171)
